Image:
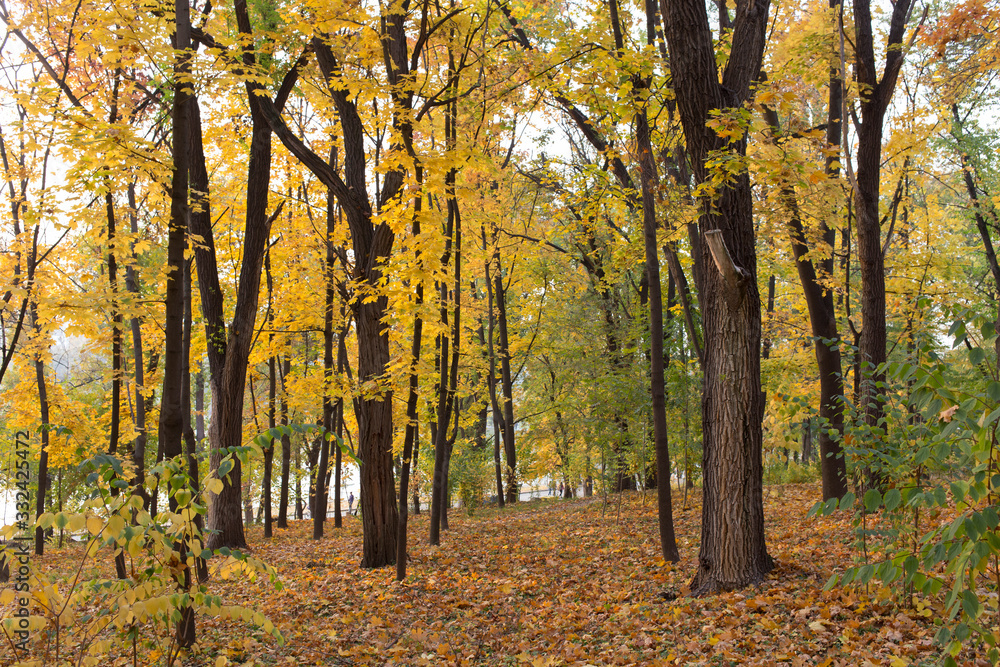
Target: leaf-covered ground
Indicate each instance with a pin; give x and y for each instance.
(556, 582)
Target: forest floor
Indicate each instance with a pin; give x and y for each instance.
(560, 582)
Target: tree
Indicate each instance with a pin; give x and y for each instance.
(875, 93)
(733, 553)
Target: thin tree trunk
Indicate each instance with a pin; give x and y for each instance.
(43, 412)
(822, 316)
(649, 181)
(492, 377)
(506, 386)
(132, 287)
(410, 434)
(286, 449)
(319, 514)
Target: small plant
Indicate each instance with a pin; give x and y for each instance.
(81, 619)
(927, 525)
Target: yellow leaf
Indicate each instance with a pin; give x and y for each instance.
(116, 524)
(898, 662)
(221, 661)
(94, 525)
(77, 522)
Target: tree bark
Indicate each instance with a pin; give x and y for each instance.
(733, 553)
(492, 377)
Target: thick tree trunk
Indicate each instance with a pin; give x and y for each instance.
(378, 489)
(733, 553)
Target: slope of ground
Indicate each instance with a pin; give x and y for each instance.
(555, 582)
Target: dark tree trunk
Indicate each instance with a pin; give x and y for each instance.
(338, 458)
(138, 447)
(492, 377)
(410, 434)
(372, 245)
(272, 422)
(506, 386)
(649, 181)
(319, 514)
(416, 455)
(985, 219)
(822, 316)
(190, 442)
(286, 449)
(229, 351)
(171, 428)
(43, 413)
(733, 553)
(449, 369)
(807, 445)
(875, 102)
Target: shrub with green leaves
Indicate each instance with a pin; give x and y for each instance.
(929, 473)
(84, 618)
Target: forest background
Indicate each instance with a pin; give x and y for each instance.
(427, 239)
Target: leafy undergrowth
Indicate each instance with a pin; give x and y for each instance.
(557, 582)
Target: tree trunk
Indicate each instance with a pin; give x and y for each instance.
(649, 182)
(449, 369)
(319, 512)
(492, 377)
(286, 449)
(410, 434)
(43, 412)
(970, 176)
(822, 316)
(875, 102)
(132, 286)
(230, 349)
(733, 553)
(506, 383)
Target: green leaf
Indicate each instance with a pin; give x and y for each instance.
(892, 499)
(873, 499)
(993, 391)
(847, 501)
